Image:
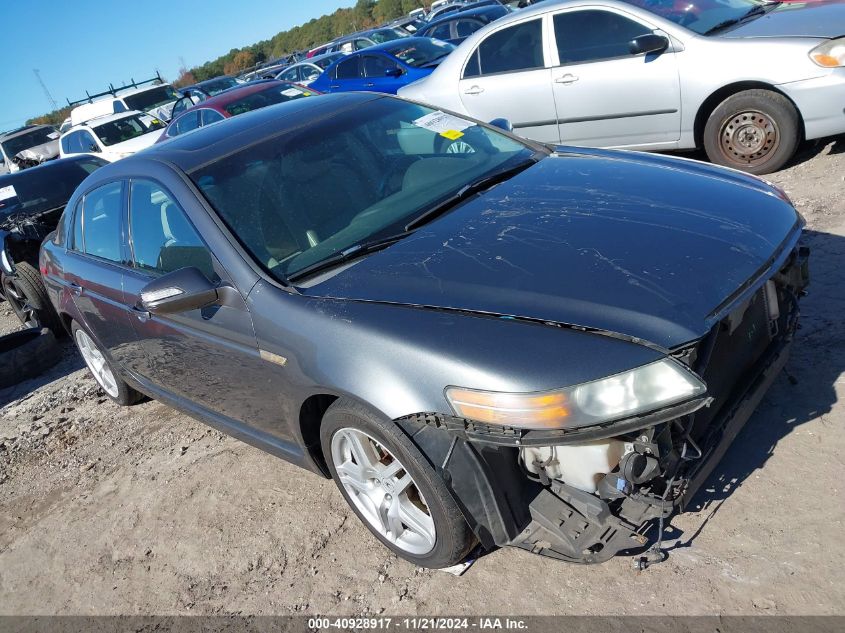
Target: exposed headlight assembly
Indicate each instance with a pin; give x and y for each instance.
(648, 388)
(830, 54)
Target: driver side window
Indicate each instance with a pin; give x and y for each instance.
(377, 65)
(593, 35)
(162, 238)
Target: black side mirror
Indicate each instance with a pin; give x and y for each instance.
(502, 124)
(393, 72)
(92, 147)
(182, 290)
(649, 43)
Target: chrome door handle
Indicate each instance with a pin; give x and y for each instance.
(370, 85)
(143, 315)
(75, 288)
(475, 90)
(566, 79)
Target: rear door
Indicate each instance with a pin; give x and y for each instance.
(96, 262)
(348, 75)
(507, 75)
(606, 96)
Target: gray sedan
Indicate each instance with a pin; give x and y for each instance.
(745, 80)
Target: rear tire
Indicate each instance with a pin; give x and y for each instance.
(27, 296)
(101, 368)
(392, 488)
(756, 131)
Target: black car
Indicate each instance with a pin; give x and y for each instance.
(31, 203)
(520, 345)
(456, 27)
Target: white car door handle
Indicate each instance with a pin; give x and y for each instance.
(568, 78)
(475, 90)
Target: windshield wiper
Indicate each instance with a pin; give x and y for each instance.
(755, 11)
(467, 191)
(351, 252)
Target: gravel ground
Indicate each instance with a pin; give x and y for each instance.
(110, 510)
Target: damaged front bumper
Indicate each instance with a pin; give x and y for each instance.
(667, 456)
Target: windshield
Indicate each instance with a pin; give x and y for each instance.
(420, 52)
(127, 128)
(276, 93)
(30, 139)
(47, 187)
(325, 62)
(386, 35)
(699, 15)
(152, 98)
(363, 174)
(216, 86)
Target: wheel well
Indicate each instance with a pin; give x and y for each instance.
(713, 101)
(310, 418)
(66, 321)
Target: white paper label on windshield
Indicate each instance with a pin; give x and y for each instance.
(292, 92)
(53, 135)
(440, 122)
(8, 192)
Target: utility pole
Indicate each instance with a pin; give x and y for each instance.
(46, 92)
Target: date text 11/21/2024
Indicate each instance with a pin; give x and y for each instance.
(417, 623)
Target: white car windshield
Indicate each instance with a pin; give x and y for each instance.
(127, 128)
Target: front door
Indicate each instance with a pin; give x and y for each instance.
(605, 95)
(382, 74)
(507, 77)
(207, 356)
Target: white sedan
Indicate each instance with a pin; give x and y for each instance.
(113, 136)
(743, 79)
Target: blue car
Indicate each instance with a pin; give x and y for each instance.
(385, 67)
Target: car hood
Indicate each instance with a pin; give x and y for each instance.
(135, 144)
(822, 19)
(40, 153)
(645, 246)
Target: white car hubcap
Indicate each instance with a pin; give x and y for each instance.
(383, 491)
(96, 363)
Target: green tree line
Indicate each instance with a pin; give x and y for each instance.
(365, 14)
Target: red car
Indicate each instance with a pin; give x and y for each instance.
(251, 96)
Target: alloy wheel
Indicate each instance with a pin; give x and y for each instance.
(20, 304)
(96, 363)
(383, 491)
(749, 137)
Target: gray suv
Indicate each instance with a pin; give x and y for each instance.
(28, 146)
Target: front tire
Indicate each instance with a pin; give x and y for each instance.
(756, 131)
(101, 368)
(392, 488)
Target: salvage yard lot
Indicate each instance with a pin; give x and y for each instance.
(110, 510)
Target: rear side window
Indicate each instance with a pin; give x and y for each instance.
(101, 212)
(441, 32)
(347, 69)
(162, 237)
(377, 65)
(592, 35)
(185, 123)
(519, 47)
(292, 74)
(209, 116)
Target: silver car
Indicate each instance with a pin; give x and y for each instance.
(745, 80)
(305, 72)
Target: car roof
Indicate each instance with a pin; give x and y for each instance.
(45, 167)
(220, 101)
(460, 15)
(5, 136)
(211, 143)
(386, 45)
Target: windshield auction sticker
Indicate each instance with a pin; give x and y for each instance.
(444, 124)
(7, 192)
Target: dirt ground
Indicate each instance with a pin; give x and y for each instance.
(110, 510)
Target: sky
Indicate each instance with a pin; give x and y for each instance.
(80, 45)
